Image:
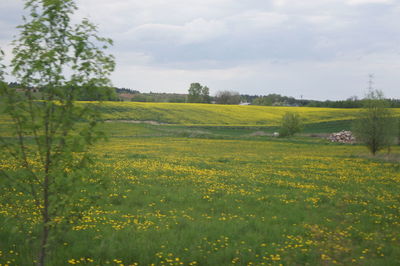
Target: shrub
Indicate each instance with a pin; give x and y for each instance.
(376, 125)
(398, 131)
(290, 125)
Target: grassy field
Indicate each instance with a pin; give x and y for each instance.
(221, 195)
(217, 115)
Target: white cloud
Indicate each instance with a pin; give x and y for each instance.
(362, 2)
(11, 5)
(318, 48)
(337, 79)
(259, 19)
(126, 58)
(198, 30)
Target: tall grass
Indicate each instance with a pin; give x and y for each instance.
(174, 200)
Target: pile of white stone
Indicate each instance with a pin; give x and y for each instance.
(342, 137)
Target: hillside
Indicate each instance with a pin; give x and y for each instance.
(210, 114)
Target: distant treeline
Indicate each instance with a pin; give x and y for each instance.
(127, 94)
(126, 90)
(279, 100)
(106, 94)
(159, 97)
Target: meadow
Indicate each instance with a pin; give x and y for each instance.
(217, 115)
(204, 190)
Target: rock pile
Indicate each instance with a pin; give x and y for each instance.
(342, 137)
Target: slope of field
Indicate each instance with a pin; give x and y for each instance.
(211, 114)
(187, 114)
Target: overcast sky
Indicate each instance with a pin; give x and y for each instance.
(318, 49)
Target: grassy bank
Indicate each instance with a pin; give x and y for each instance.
(211, 114)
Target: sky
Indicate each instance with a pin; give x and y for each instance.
(314, 49)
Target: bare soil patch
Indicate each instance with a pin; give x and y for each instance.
(150, 122)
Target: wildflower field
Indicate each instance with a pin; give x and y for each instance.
(219, 196)
(217, 115)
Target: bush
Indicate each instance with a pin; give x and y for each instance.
(376, 124)
(290, 125)
(398, 131)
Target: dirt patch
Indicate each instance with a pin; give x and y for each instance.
(259, 133)
(137, 122)
(318, 135)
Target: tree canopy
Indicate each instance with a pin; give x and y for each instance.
(375, 125)
(198, 93)
(52, 132)
(227, 97)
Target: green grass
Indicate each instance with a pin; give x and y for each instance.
(218, 195)
(328, 127)
(217, 115)
(126, 129)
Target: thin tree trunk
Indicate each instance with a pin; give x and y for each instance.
(43, 251)
(45, 213)
(46, 220)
